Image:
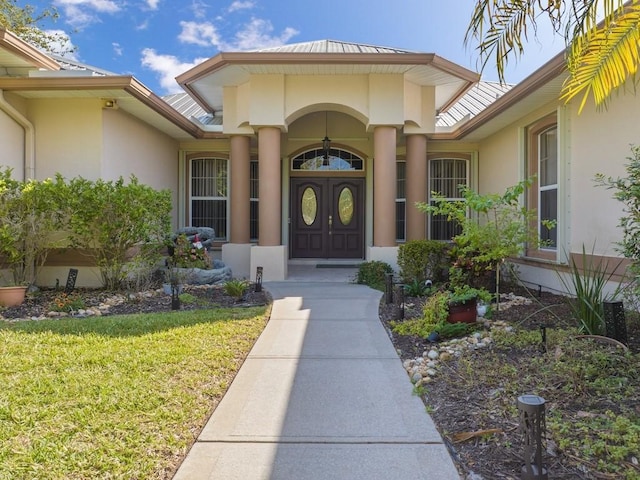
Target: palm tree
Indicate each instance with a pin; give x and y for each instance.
(601, 56)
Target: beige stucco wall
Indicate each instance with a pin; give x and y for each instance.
(375, 99)
(131, 147)
(600, 143)
(68, 136)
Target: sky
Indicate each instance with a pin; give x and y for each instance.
(156, 40)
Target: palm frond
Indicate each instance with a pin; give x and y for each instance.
(602, 60)
(501, 29)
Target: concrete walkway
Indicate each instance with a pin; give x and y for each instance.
(322, 395)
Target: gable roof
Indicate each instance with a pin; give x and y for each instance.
(206, 81)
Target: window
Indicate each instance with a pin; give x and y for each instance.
(209, 194)
(401, 201)
(445, 177)
(548, 188)
(338, 160)
(253, 205)
(542, 159)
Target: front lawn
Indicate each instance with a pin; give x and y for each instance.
(114, 397)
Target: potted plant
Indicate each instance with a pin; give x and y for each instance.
(463, 303)
(493, 227)
(32, 214)
(453, 306)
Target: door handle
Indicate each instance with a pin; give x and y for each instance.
(330, 223)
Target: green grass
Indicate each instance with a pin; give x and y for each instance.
(114, 397)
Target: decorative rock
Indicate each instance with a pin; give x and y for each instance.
(431, 372)
(416, 377)
(433, 354)
(198, 276)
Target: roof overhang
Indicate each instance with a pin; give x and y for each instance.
(17, 55)
(129, 94)
(206, 81)
(540, 88)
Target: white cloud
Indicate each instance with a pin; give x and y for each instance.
(199, 8)
(153, 4)
(83, 12)
(117, 49)
(240, 5)
(203, 34)
(257, 34)
(167, 67)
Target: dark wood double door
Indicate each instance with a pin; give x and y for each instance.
(327, 217)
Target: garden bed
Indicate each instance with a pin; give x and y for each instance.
(592, 391)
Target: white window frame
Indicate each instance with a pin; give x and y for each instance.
(192, 197)
(439, 158)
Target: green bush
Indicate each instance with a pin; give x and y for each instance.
(420, 260)
(112, 219)
(373, 274)
(236, 288)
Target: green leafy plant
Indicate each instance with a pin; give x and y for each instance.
(236, 288)
(373, 273)
(420, 260)
(187, 255)
(498, 227)
(588, 284)
(465, 293)
(416, 289)
(67, 303)
(113, 220)
(32, 215)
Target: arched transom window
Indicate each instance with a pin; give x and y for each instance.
(336, 160)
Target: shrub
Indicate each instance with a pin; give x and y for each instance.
(420, 260)
(416, 289)
(111, 218)
(236, 288)
(373, 274)
(588, 285)
(187, 255)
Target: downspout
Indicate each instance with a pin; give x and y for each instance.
(29, 136)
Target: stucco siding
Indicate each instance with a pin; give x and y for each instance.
(68, 137)
(600, 143)
(348, 94)
(132, 148)
(499, 161)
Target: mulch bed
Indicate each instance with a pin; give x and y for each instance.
(462, 401)
(40, 303)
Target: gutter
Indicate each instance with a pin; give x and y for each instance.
(29, 136)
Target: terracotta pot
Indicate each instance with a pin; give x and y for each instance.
(12, 296)
(463, 312)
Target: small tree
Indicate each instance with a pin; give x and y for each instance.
(24, 23)
(110, 219)
(498, 227)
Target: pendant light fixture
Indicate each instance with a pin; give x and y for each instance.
(326, 142)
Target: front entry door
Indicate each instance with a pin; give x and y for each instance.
(327, 217)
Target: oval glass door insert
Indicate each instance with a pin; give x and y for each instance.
(345, 206)
(309, 206)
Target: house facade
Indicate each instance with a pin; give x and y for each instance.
(320, 150)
